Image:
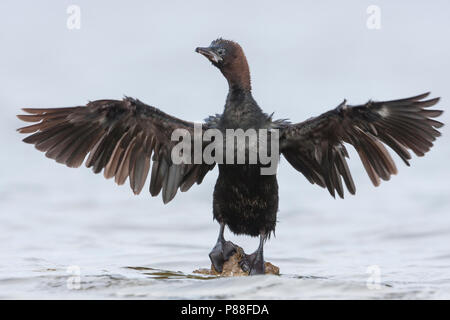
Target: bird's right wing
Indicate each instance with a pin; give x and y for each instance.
(316, 147)
(120, 137)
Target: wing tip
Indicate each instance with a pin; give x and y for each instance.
(421, 96)
(27, 118)
(33, 110)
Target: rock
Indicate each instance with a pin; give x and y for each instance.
(231, 267)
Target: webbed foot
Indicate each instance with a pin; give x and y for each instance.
(221, 252)
(253, 263)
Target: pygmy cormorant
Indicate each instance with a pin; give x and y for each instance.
(123, 137)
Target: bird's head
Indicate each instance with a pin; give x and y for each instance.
(230, 59)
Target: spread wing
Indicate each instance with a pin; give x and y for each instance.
(120, 137)
(316, 147)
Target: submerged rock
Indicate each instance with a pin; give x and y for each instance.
(231, 267)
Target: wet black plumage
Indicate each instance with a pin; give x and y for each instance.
(127, 139)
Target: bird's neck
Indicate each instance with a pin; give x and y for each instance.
(239, 83)
(238, 76)
(238, 96)
(240, 101)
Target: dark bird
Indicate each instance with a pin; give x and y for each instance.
(123, 137)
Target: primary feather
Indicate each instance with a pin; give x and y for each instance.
(316, 147)
(120, 137)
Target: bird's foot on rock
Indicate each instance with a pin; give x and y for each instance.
(253, 263)
(221, 252)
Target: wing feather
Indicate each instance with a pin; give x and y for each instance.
(120, 137)
(315, 147)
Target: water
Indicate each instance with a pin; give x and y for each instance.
(58, 224)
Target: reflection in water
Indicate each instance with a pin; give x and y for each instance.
(166, 274)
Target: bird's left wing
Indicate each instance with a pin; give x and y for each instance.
(316, 147)
(120, 137)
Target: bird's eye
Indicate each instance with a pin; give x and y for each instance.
(221, 52)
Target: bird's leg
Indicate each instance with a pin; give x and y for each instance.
(254, 263)
(222, 251)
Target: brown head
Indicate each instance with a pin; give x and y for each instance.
(229, 57)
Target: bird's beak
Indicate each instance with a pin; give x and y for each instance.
(209, 53)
